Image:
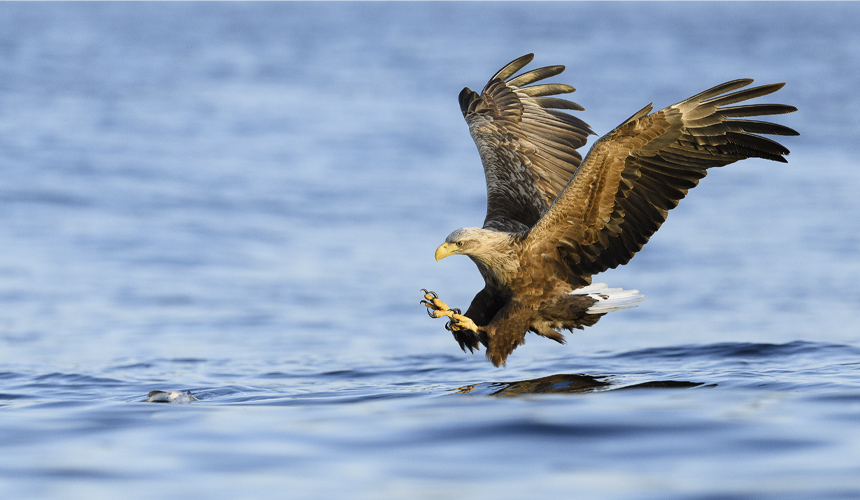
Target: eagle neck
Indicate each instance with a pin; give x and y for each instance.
(499, 262)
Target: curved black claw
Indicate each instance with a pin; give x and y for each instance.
(456, 311)
(432, 294)
(430, 314)
(448, 326)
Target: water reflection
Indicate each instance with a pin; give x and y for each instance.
(567, 384)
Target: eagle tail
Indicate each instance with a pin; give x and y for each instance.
(609, 299)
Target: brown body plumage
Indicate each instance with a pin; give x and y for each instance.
(554, 220)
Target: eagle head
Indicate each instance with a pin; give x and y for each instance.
(464, 241)
(474, 242)
(495, 252)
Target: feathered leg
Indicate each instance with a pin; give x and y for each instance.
(506, 332)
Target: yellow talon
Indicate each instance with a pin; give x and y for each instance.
(463, 323)
(438, 309)
(439, 314)
(438, 304)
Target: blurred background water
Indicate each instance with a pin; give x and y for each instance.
(243, 200)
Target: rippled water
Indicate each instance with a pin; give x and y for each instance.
(243, 200)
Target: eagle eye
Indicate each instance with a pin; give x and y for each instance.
(459, 243)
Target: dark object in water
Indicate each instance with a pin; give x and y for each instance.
(170, 397)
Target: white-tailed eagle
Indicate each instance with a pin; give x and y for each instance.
(554, 219)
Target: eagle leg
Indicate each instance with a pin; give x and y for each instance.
(438, 309)
(460, 322)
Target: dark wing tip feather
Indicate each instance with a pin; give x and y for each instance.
(708, 123)
(466, 98)
(744, 95)
(555, 103)
(512, 67)
(546, 89)
(755, 110)
(536, 75)
(754, 144)
(759, 127)
(721, 89)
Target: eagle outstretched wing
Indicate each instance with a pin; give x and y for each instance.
(527, 146)
(635, 174)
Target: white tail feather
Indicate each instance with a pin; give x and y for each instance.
(609, 299)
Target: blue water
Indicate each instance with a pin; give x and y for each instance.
(243, 200)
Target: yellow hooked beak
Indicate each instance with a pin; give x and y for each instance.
(443, 251)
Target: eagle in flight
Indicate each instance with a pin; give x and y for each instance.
(554, 219)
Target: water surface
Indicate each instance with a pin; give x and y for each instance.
(243, 200)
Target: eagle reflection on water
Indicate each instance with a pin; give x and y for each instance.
(566, 384)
